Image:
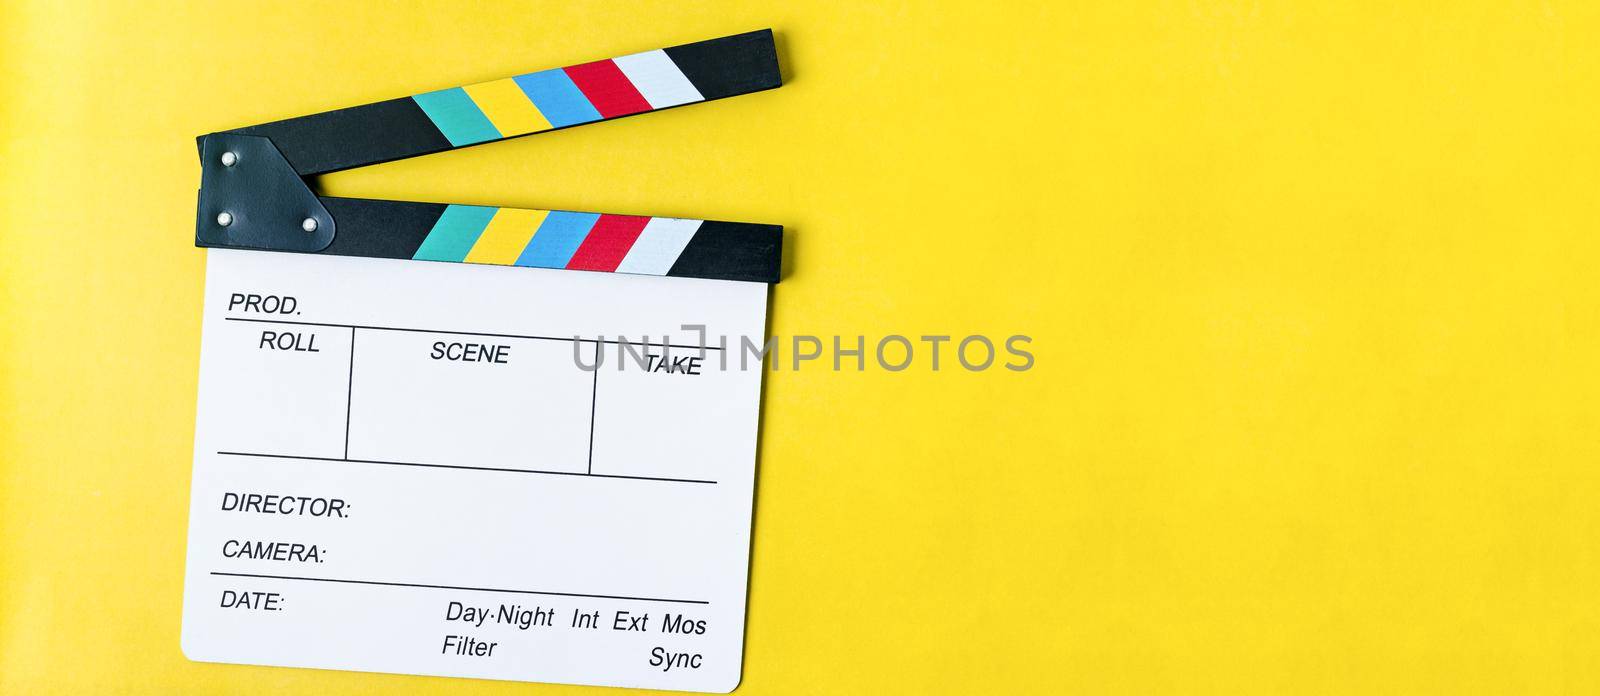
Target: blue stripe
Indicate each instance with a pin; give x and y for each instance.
(557, 97)
(456, 116)
(558, 237)
(454, 233)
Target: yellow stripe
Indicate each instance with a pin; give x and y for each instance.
(508, 232)
(507, 107)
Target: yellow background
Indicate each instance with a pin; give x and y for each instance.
(1311, 286)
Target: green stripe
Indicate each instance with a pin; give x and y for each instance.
(455, 233)
(456, 116)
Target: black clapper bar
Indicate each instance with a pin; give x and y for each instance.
(254, 193)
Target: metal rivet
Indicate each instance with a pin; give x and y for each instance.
(224, 218)
(228, 158)
(309, 225)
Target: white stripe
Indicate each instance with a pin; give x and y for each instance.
(658, 246)
(658, 79)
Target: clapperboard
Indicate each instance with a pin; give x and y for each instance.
(475, 441)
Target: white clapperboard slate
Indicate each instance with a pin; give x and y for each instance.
(474, 441)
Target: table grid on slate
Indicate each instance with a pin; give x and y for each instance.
(559, 359)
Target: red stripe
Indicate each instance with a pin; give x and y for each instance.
(607, 243)
(607, 88)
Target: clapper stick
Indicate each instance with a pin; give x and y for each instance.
(254, 195)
